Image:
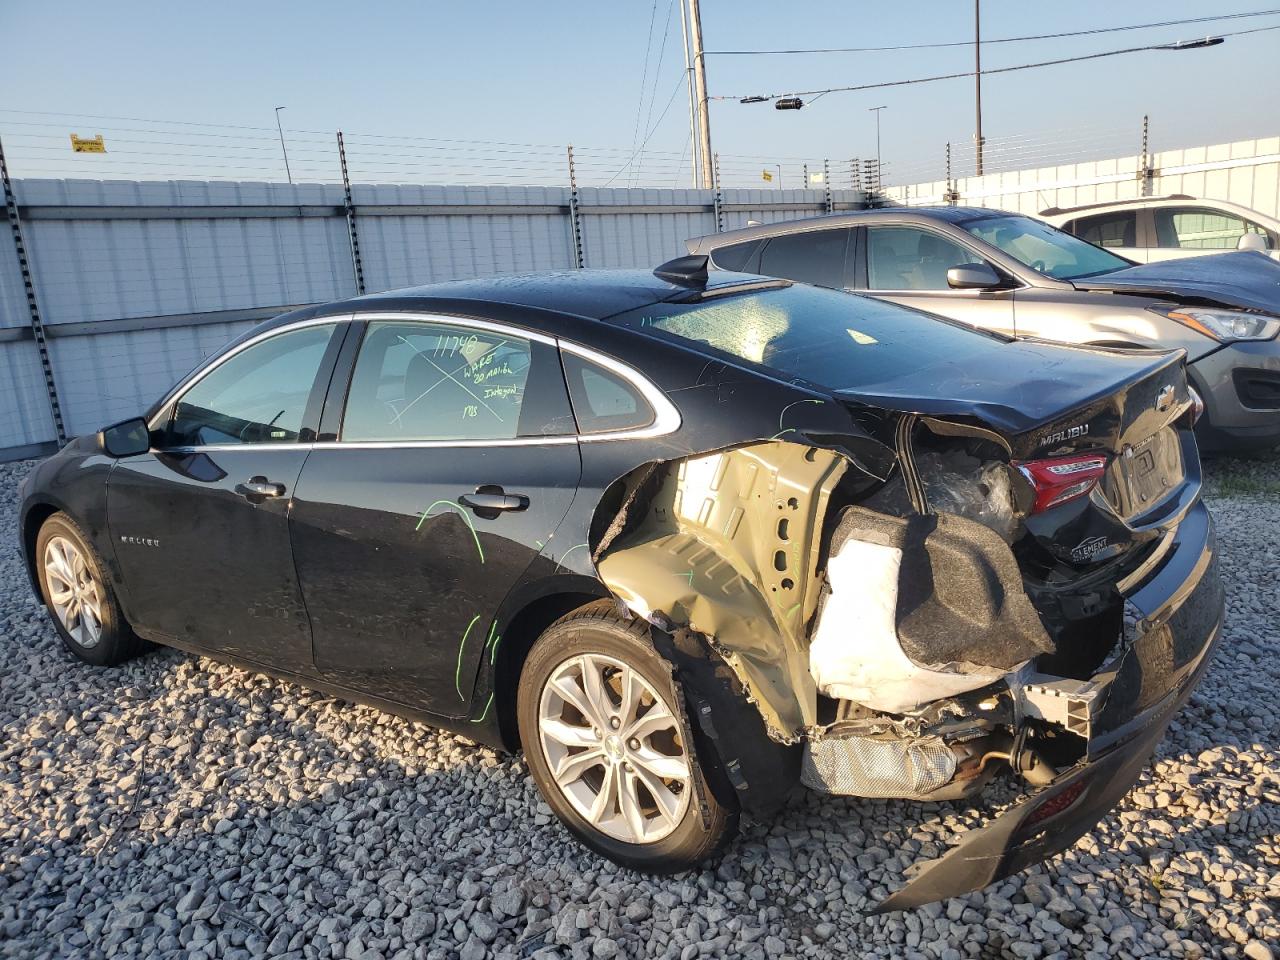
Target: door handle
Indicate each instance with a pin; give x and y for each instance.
(492, 499)
(258, 489)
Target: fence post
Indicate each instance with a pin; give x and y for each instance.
(33, 305)
(952, 195)
(353, 237)
(575, 221)
(826, 186)
(1146, 173)
(717, 199)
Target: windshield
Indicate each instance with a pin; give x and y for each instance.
(827, 337)
(1044, 249)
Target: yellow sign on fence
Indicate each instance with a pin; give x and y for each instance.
(81, 144)
(766, 174)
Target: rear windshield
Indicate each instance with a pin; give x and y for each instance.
(1045, 249)
(839, 340)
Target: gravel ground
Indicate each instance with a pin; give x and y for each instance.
(177, 806)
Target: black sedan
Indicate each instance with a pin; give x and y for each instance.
(686, 541)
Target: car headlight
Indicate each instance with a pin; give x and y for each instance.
(1225, 325)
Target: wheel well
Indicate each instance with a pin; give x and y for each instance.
(519, 637)
(35, 519)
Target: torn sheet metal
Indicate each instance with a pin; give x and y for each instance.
(729, 546)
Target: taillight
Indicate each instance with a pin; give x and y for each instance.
(1054, 805)
(1058, 480)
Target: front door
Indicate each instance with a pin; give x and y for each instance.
(455, 463)
(200, 524)
(909, 264)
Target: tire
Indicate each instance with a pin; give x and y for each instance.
(621, 777)
(64, 553)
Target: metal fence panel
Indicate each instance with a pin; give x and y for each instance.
(111, 376)
(418, 247)
(25, 417)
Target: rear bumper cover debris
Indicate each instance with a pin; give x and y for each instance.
(1143, 688)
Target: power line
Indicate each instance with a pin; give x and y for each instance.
(1022, 66)
(652, 130)
(644, 77)
(969, 43)
(653, 92)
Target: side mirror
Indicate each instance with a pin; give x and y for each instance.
(973, 276)
(128, 438)
(1252, 241)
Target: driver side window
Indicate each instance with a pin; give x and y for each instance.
(258, 395)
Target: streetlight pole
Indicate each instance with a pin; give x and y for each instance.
(700, 83)
(876, 111)
(977, 83)
(280, 130)
(778, 167)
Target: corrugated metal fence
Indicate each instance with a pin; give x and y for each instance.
(1246, 172)
(137, 281)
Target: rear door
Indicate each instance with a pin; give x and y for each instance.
(200, 523)
(1117, 230)
(908, 264)
(817, 257)
(426, 498)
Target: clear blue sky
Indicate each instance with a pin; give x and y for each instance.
(556, 72)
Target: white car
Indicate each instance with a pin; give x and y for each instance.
(1167, 228)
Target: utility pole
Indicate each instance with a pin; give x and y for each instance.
(977, 82)
(876, 111)
(693, 102)
(280, 129)
(700, 83)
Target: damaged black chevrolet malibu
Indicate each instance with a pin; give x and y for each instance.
(688, 542)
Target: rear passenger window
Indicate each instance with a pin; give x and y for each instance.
(816, 257)
(429, 381)
(603, 401)
(736, 256)
(1108, 229)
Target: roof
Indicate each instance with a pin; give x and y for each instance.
(946, 214)
(593, 294)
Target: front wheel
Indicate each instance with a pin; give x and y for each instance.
(608, 749)
(80, 601)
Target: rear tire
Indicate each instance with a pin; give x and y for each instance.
(596, 705)
(80, 601)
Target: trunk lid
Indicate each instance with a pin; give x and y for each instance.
(1044, 398)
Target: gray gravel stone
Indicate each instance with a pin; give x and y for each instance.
(177, 806)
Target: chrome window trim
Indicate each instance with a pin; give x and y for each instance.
(185, 387)
(666, 418)
(457, 321)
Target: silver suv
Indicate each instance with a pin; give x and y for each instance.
(1016, 275)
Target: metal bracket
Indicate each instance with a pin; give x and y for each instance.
(1070, 704)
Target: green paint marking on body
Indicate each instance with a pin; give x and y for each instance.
(462, 513)
(783, 432)
(480, 719)
(784, 413)
(457, 675)
(689, 575)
